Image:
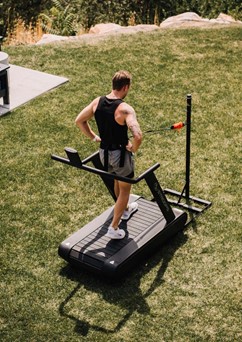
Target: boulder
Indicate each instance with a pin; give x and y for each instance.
(226, 18)
(181, 18)
(50, 38)
(193, 19)
(101, 31)
(104, 28)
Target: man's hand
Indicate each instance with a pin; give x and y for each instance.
(129, 146)
(96, 138)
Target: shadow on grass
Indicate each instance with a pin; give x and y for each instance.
(125, 293)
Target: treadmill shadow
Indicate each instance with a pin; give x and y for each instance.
(125, 294)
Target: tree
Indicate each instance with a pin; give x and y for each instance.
(27, 10)
(87, 13)
(99, 11)
(62, 20)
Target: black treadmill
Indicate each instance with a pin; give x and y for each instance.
(154, 223)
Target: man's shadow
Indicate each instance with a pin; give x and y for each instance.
(125, 293)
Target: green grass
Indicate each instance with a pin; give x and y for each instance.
(190, 289)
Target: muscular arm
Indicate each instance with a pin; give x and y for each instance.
(84, 116)
(133, 125)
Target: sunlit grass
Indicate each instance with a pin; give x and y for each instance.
(189, 290)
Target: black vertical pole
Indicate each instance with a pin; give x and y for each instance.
(188, 144)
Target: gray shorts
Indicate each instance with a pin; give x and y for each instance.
(113, 163)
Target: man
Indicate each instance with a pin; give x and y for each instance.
(114, 117)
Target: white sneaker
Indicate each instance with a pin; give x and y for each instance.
(132, 208)
(115, 233)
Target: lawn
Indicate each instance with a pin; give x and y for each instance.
(190, 289)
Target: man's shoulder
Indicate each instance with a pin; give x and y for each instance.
(95, 103)
(126, 107)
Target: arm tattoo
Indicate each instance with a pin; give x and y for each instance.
(135, 130)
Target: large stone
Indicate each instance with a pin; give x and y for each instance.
(104, 28)
(226, 18)
(50, 38)
(193, 19)
(101, 31)
(180, 18)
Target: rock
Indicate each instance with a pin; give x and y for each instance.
(50, 38)
(115, 28)
(181, 18)
(142, 28)
(193, 19)
(101, 31)
(226, 18)
(104, 28)
(187, 16)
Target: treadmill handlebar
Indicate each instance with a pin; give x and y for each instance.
(75, 160)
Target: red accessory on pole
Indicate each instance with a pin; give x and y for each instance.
(178, 125)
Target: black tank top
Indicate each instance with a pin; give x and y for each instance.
(109, 130)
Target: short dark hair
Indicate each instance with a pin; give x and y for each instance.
(120, 79)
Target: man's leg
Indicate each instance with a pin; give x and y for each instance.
(122, 191)
(116, 188)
